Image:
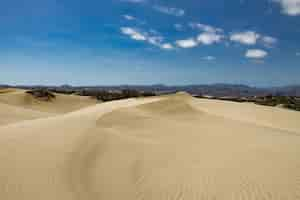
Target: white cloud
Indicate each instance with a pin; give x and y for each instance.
(133, 33)
(188, 43)
(178, 12)
(133, 18)
(209, 58)
(209, 35)
(129, 17)
(152, 37)
(167, 46)
(269, 41)
(178, 27)
(256, 53)
(158, 41)
(205, 27)
(297, 53)
(155, 40)
(289, 7)
(208, 38)
(247, 37)
(251, 38)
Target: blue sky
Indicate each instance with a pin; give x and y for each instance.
(175, 42)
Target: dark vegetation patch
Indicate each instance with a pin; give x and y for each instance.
(290, 102)
(285, 101)
(41, 94)
(104, 95)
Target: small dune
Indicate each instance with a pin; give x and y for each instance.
(58, 105)
(164, 148)
(6, 90)
(12, 114)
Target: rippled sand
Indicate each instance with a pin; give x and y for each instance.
(163, 148)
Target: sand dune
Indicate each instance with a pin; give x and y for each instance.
(16, 105)
(172, 147)
(12, 114)
(61, 104)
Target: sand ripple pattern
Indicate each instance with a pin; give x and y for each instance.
(165, 148)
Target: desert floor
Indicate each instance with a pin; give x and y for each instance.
(160, 148)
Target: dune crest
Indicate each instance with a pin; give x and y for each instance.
(16, 105)
(12, 114)
(60, 105)
(171, 147)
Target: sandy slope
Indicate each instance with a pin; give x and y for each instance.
(16, 105)
(12, 114)
(61, 104)
(172, 148)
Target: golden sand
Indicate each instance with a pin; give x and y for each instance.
(162, 148)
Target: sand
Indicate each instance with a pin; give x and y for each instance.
(163, 148)
(16, 105)
(60, 105)
(12, 114)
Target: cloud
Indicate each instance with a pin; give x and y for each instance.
(247, 37)
(251, 38)
(132, 18)
(133, 33)
(188, 43)
(256, 53)
(129, 17)
(289, 7)
(269, 41)
(297, 53)
(178, 12)
(152, 37)
(178, 27)
(155, 40)
(134, 1)
(209, 38)
(209, 35)
(205, 27)
(209, 58)
(167, 46)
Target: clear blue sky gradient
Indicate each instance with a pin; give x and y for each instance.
(81, 42)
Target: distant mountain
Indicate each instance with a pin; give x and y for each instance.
(217, 90)
(292, 90)
(4, 86)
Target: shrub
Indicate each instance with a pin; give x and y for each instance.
(41, 94)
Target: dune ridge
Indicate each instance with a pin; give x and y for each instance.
(171, 147)
(12, 114)
(60, 105)
(16, 105)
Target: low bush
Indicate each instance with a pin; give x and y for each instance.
(41, 94)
